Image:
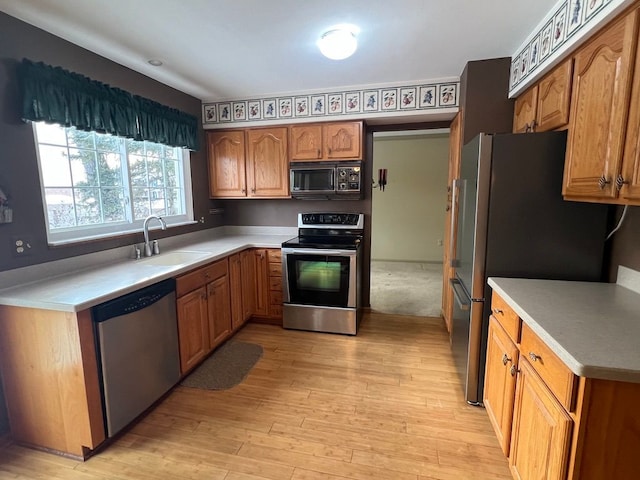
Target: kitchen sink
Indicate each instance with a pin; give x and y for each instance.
(177, 257)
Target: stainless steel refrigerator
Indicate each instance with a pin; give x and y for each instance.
(511, 221)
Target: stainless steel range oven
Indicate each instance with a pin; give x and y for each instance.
(321, 273)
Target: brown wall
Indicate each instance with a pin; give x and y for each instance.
(18, 164)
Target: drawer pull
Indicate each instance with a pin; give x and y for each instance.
(497, 311)
(513, 370)
(505, 359)
(534, 357)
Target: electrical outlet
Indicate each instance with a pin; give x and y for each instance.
(21, 245)
(439, 242)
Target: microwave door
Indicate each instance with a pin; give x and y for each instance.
(309, 180)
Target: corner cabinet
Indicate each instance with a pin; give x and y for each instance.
(249, 163)
(326, 141)
(602, 150)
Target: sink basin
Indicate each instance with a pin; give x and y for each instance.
(177, 257)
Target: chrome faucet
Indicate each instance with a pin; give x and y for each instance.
(145, 228)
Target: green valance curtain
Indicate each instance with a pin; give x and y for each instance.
(54, 95)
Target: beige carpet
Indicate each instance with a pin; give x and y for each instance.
(406, 288)
(226, 368)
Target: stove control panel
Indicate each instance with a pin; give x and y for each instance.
(352, 220)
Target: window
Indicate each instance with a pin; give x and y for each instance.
(96, 185)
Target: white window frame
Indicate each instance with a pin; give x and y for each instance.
(85, 233)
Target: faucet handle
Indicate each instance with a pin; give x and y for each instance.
(156, 247)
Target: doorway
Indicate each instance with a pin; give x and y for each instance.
(407, 221)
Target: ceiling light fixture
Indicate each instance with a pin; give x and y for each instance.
(339, 42)
(155, 62)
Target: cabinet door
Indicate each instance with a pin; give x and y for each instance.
(449, 238)
(261, 297)
(630, 178)
(540, 442)
(219, 311)
(305, 142)
(248, 267)
(193, 328)
(554, 95)
(235, 287)
(500, 382)
(599, 103)
(267, 162)
(343, 140)
(524, 115)
(226, 154)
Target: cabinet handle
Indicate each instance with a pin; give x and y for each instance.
(602, 182)
(505, 359)
(329, 149)
(534, 357)
(513, 370)
(620, 181)
(244, 191)
(318, 154)
(497, 311)
(253, 190)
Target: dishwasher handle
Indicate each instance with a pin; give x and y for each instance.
(134, 301)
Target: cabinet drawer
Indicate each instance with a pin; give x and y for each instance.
(560, 380)
(192, 280)
(275, 297)
(506, 317)
(275, 270)
(275, 284)
(274, 255)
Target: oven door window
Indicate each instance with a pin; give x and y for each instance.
(312, 180)
(321, 280)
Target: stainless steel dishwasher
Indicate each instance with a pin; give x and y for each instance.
(137, 339)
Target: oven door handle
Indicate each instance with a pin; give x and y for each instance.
(317, 251)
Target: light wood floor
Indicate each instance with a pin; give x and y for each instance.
(385, 404)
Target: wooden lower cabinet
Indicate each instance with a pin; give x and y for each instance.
(241, 281)
(267, 286)
(500, 382)
(561, 426)
(204, 312)
(193, 328)
(542, 429)
(50, 378)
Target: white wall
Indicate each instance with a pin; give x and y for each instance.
(408, 217)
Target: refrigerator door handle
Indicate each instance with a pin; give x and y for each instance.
(455, 188)
(462, 299)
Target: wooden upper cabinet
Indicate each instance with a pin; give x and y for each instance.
(226, 154)
(524, 116)
(629, 180)
(267, 162)
(545, 106)
(599, 110)
(306, 142)
(343, 140)
(554, 98)
(326, 141)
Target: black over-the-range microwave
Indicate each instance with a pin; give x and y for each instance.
(326, 180)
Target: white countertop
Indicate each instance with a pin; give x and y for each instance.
(593, 327)
(85, 286)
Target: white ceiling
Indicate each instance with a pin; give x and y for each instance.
(235, 49)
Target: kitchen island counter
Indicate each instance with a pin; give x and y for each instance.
(592, 327)
(79, 283)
